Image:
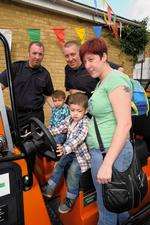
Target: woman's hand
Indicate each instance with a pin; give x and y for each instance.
(59, 150)
(104, 174)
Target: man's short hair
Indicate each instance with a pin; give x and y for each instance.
(38, 43)
(70, 43)
(78, 99)
(59, 94)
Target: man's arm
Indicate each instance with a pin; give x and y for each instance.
(3, 79)
(49, 101)
(67, 85)
(49, 88)
(16, 67)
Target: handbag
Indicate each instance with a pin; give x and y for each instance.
(126, 189)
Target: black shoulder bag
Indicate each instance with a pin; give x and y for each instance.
(126, 189)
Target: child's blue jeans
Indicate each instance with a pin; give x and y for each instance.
(73, 174)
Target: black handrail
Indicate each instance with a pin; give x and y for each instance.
(9, 78)
(17, 137)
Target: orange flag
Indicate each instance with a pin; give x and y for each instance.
(60, 34)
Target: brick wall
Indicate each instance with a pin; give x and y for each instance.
(19, 18)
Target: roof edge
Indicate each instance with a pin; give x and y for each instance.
(74, 9)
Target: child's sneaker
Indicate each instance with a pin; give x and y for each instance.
(66, 206)
(48, 191)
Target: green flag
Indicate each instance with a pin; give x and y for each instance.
(34, 34)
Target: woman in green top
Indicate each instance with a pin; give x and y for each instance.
(110, 104)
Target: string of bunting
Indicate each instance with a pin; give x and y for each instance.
(34, 34)
(110, 19)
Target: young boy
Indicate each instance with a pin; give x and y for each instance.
(60, 111)
(74, 151)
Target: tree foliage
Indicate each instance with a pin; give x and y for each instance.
(134, 39)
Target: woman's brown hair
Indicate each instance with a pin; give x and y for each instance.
(95, 46)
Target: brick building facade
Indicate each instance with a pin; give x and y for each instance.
(18, 18)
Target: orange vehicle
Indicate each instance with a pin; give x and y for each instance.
(21, 200)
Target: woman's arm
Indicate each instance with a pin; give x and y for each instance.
(120, 99)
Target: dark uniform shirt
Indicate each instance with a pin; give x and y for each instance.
(30, 86)
(79, 79)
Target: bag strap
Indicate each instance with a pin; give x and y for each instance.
(101, 146)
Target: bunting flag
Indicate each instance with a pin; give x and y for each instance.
(60, 34)
(105, 19)
(81, 34)
(111, 20)
(115, 27)
(97, 30)
(34, 34)
(109, 14)
(114, 18)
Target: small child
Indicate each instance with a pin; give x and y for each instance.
(74, 151)
(60, 111)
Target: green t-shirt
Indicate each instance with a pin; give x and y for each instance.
(100, 107)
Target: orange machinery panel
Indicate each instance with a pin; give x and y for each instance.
(35, 211)
(43, 169)
(80, 214)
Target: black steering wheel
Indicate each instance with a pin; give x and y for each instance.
(43, 137)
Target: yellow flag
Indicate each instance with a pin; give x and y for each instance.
(81, 34)
(105, 18)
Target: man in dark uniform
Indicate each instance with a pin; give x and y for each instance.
(76, 76)
(32, 85)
